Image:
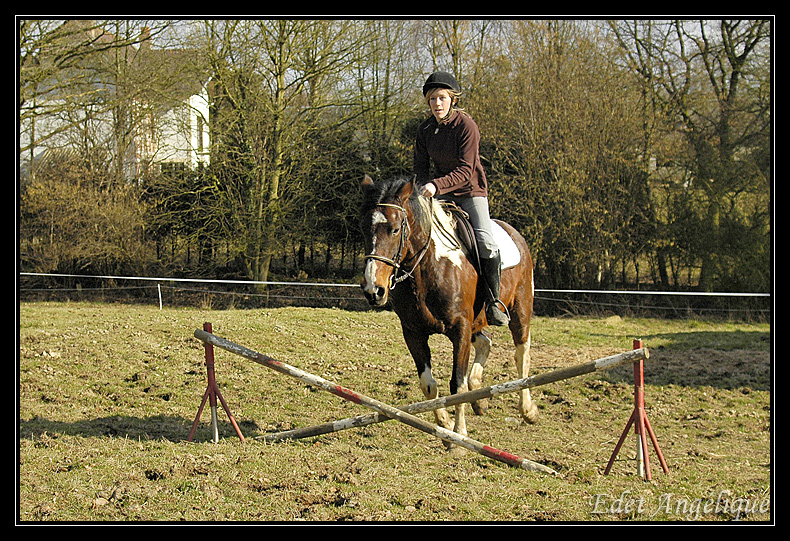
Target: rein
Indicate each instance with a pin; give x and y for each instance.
(396, 263)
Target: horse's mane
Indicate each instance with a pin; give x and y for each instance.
(386, 191)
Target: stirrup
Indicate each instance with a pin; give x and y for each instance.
(496, 320)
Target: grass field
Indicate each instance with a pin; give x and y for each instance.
(108, 394)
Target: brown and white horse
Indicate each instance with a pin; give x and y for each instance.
(434, 289)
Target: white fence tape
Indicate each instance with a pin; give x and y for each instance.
(241, 282)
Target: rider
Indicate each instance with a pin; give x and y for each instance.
(450, 139)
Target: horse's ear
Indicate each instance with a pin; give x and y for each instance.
(408, 189)
(367, 182)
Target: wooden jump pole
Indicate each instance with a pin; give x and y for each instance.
(604, 363)
(379, 407)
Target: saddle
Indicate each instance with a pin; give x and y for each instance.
(465, 235)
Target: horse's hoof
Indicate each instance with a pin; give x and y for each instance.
(456, 451)
(531, 415)
(480, 407)
(444, 420)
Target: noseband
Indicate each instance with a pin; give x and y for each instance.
(396, 262)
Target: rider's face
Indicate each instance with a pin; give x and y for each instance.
(440, 101)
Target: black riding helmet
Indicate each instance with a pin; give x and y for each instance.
(440, 79)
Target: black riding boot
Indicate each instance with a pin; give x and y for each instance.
(492, 272)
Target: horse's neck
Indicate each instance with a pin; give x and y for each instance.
(417, 301)
(435, 234)
(422, 230)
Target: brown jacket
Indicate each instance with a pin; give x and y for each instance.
(454, 150)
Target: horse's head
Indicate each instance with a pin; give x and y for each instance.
(385, 227)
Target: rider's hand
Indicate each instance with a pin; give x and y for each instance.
(429, 190)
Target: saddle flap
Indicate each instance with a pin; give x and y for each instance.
(464, 232)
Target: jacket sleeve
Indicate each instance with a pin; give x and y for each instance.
(422, 161)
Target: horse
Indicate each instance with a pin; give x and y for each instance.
(415, 263)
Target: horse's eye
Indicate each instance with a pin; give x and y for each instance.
(395, 230)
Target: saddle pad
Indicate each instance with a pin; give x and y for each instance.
(508, 250)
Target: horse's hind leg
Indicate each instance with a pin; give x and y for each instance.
(482, 344)
(528, 408)
(520, 329)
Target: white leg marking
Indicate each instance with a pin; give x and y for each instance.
(460, 412)
(482, 345)
(431, 390)
(428, 385)
(528, 409)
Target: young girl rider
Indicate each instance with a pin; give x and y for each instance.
(450, 141)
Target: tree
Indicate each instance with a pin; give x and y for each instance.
(77, 89)
(273, 84)
(711, 80)
(71, 223)
(611, 146)
(558, 124)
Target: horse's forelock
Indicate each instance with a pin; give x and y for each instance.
(387, 191)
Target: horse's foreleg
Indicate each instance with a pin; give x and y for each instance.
(421, 353)
(528, 408)
(482, 344)
(430, 388)
(461, 340)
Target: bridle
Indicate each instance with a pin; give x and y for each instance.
(405, 232)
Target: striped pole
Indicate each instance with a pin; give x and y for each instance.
(381, 408)
(470, 396)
